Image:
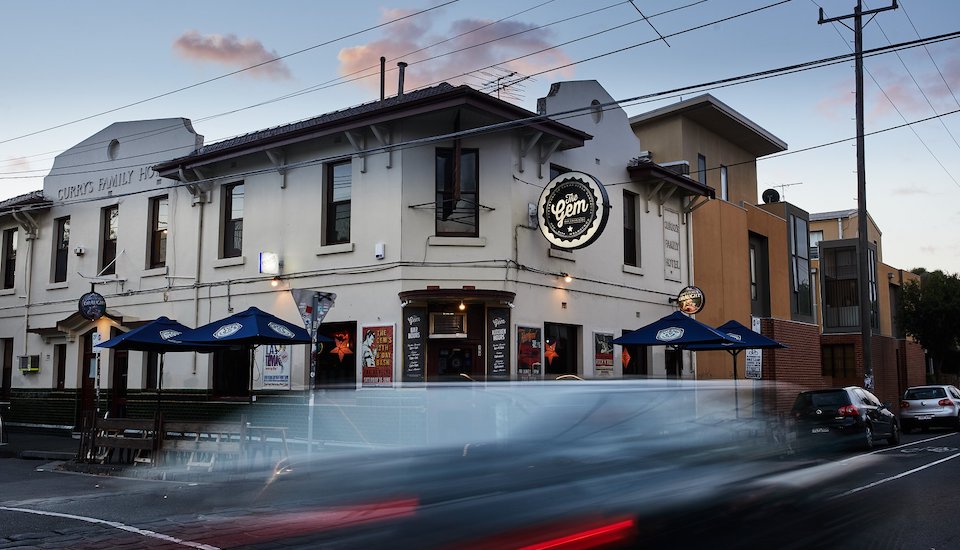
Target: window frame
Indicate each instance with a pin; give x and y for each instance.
(109, 234)
(724, 183)
(61, 248)
(457, 154)
(331, 206)
(631, 230)
(229, 224)
(10, 244)
(157, 239)
(701, 169)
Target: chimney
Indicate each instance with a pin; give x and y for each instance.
(401, 65)
(383, 65)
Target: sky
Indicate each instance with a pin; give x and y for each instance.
(72, 68)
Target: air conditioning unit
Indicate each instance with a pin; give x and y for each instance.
(29, 363)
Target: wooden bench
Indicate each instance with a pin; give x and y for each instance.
(203, 444)
(124, 439)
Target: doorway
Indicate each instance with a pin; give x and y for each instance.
(118, 393)
(454, 361)
(87, 404)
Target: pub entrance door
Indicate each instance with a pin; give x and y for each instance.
(455, 361)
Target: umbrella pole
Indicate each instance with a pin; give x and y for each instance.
(159, 382)
(736, 392)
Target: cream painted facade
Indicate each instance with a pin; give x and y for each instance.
(393, 265)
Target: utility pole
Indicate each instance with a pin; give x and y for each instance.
(863, 256)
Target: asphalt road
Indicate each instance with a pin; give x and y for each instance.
(894, 497)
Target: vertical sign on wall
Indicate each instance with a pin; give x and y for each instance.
(376, 356)
(671, 245)
(529, 351)
(754, 360)
(603, 354)
(414, 343)
(498, 349)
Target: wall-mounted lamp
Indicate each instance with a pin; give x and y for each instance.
(462, 306)
(567, 278)
(405, 303)
(275, 282)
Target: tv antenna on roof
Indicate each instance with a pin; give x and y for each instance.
(783, 186)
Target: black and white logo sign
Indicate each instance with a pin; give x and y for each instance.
(573, 210)
(92, 306)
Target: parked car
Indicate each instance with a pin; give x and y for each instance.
(927, 406)
(843, 415)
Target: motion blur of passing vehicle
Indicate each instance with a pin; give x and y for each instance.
(653, 464)
(849, 415)
(929, 406)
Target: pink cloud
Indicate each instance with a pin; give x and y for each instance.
(492, 45)
(17, 164)
(231, 51)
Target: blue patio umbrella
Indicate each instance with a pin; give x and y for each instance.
(743, 338)
(251, 327)
(676, 330)
(160, 336)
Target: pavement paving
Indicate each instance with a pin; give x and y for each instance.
(40, 445)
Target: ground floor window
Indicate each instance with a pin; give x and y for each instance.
(839, 361)
(561, 349)
(633, 359)
(231, 373)
(337, 360)
(152, 360)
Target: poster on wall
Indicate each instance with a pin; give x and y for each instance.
(376, 356)
(529, 351)
(272, 368)
(498, 347)
(414, 343)
(754, 362)
(603, 354)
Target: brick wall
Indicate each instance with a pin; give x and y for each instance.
(792, 369)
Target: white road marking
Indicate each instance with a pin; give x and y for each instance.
(898, 476)
(116, 525)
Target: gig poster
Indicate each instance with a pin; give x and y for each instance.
(376, 356)
(603, 354)
(272, 368)
(529, 353)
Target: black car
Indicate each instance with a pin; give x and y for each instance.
(843, 415)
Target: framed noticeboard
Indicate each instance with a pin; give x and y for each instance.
(498, 343)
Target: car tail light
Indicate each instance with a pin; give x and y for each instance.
(904, 404)
(945, 403)
(848, 410)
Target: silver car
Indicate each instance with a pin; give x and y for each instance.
(926, 406)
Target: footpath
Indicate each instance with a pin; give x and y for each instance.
(40, 445)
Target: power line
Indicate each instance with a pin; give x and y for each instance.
(769, 73)
(345, 80)
(232, 73)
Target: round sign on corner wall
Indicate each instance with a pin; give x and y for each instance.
(92, 306)
(691, 300)
(573, 210)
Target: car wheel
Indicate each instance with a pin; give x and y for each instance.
(894, 438)
(868, 438)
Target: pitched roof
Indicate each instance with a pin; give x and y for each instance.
(819, 216)
(412, 103)
(33, 198)
(717, 116)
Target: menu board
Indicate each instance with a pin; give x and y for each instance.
(498, 348)
(414, 343)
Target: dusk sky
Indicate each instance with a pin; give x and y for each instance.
(73, 68)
